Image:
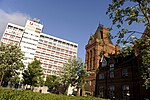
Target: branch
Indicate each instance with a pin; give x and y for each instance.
(130, 35)
(145, 14)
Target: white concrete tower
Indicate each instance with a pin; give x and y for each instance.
(30, 39)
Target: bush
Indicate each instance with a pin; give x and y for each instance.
(12, 94)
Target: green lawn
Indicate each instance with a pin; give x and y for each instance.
(12, 94)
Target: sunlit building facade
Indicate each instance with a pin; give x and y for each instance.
(53, 52)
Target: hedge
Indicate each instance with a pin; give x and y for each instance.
(13, 94)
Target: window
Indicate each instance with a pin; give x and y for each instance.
(125, 92)
(32, 53)
(45, 41)
(48, 71)
(112, 91)
(45, 71)
(49, 66)
(101, 76)
(111, 74)
(124, 72)
(101, 34)
(104, 62)
(5, 35)
(40, 40)
(101, 91)
(49, 47)
(9, 27)
(54, 48)
(54, 43)
(50, 42)
(12, 37)
(90, 83)
(111, 67)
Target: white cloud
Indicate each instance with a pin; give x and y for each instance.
(13, 17)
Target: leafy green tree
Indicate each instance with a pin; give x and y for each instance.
(53, 83)
(32, 75)
(74, 74)
(41, 81)
(10, 61)
(128, 12)
(15, 79)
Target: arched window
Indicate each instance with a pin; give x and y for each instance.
(91, 66)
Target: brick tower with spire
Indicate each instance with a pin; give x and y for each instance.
(98, 43)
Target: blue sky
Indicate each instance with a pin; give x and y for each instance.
(73, 20)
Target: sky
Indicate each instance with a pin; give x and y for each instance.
(72, 20)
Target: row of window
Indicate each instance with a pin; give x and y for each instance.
(50, 72)
(31, 34)
(30, 38)
(42, 53)
(25, 58)
(53, 55)
(47, 48)
(14, 28)
(56, 42)
(11, 36)
(9, 41)
(55, 62)
(53, 59)
(29, 48)
(51, 46)
(28, 43)
(111, 74)
(91, 59)
(51, 67)
(111, 91)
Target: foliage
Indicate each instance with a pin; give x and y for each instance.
(128, 12)
(10, 61)
(144, 46)
(32, 76)
(53, 83)
(138, 11)
(10, 94)
(127, 50)
(41, 81)
(15, 79)
(74, 73)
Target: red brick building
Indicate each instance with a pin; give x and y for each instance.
(98, 42)
(120, 79)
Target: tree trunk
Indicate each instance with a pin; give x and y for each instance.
(83, 91)
(32, 88)
(78, 92)
(1, 79)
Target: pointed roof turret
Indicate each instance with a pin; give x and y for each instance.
(98, 34)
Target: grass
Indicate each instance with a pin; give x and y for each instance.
(12, 94)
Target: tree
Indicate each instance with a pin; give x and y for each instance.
(10, 61)
(137, 11)
(53, 83)
(74, 73)
(15, 80)
(32, 75)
